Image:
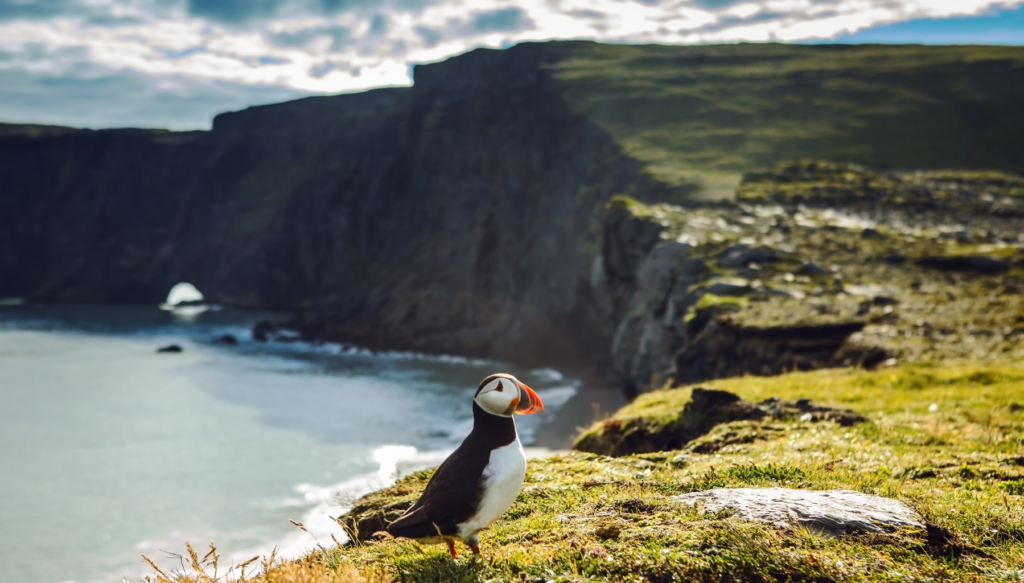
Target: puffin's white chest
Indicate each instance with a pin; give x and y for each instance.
(502, 479)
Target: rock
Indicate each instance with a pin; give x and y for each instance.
(964, 263)
(189, 303)
(369, 516)
(628, 238)
(318, 205)
(742, 255)
(749, 273)
(831, 512)
(716, 347)
(262, 330)
(870, 233)
(815, 413)
(284, 207)
(724, 288)
(811, 268)
(659, 296)
(774, 292)
(172, 348)
(870, 290)
(705, 410)
(896, 258)
(226, 340)
(679, 460)
(885, 300)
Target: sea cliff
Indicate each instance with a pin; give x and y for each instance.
(465, 214)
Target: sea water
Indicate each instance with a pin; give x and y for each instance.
(110, 450)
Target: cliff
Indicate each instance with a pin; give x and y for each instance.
(457, 216)
(817, 265)
(464, 214)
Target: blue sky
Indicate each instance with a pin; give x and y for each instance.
(996, 27)
(176, 63)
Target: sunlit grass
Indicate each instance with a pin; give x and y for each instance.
(946, 439)
(700, 116)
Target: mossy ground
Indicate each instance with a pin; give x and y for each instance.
(948, 440)
(699, 116)
(868, 260)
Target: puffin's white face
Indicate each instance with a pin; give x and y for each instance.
(502, 394)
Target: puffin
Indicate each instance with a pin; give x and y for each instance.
(475, 485)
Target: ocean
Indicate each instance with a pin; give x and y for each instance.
(110, 450)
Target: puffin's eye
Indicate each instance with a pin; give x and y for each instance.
(499, 389)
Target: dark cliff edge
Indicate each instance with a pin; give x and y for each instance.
(465, 214)
(457, 216)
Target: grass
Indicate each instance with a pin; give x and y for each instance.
(947, 440)
(702, 115)
(944, 430)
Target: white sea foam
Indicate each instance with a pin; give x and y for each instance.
(257, 415)
(338, 349)
(329, 502)
(548, 374)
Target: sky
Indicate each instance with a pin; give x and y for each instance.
(176, 63)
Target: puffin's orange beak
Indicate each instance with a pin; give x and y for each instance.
(531, 404)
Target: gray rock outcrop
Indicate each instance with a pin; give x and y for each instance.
(832, 512)
(690, 427)
(732, 289)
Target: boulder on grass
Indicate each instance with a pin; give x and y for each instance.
(831, 512)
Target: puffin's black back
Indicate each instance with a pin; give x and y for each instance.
(454, 492)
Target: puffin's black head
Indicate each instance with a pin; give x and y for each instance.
(502, 394)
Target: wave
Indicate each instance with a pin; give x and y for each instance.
(329, 502)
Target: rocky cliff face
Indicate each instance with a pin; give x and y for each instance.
(817, 264)
(463, 214)
(458, 216)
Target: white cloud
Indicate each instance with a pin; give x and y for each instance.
(360, 48)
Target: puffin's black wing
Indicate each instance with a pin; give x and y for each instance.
(451, 496)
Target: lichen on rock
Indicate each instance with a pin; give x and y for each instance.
(831, 512)
(816, 264)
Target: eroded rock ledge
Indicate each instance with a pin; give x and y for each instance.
(706, 410)
(816, 265)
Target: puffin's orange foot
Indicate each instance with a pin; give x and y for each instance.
(451, 548)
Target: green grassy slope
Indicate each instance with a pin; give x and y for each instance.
(700, 116)
(946, 440)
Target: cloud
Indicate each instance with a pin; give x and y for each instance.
(234, 11)
(999, 27)
(505, 19)
(331, 46)
(338, 36)
(97, 97)
(11, 9)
